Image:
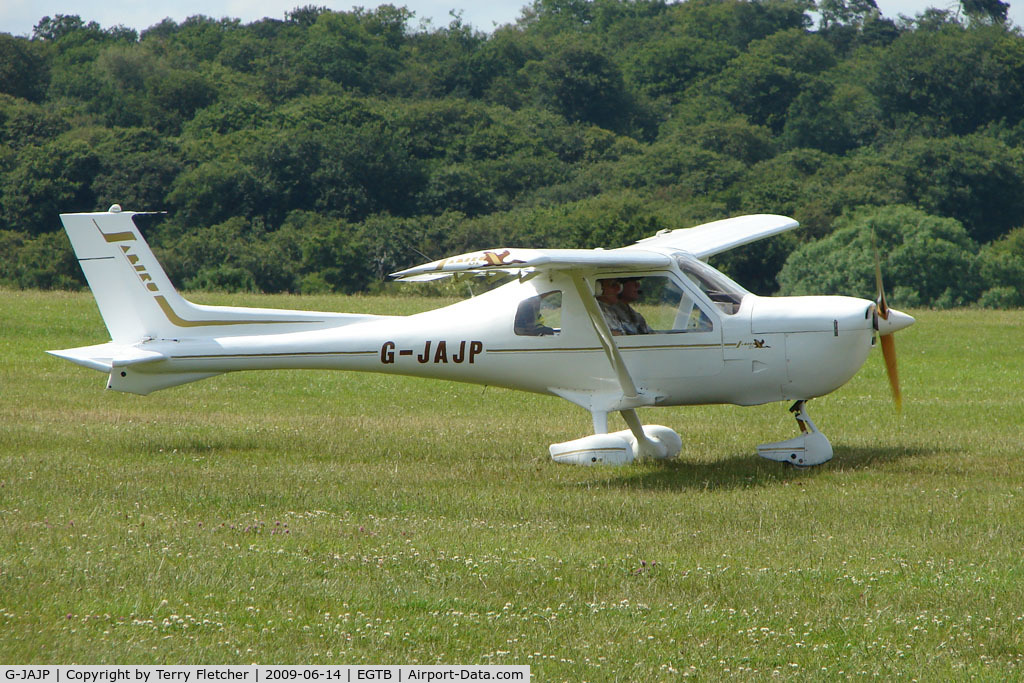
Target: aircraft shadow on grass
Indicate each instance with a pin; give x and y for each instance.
(741, 471)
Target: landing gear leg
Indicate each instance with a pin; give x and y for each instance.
(809, 449)
(651, 441)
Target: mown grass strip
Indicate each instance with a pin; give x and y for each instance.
(336, 517)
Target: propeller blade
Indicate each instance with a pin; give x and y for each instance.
(889, 353)
(886, 328)
(882, 307)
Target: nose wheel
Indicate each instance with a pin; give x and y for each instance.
(809, 449)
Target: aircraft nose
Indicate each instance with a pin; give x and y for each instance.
(896, 321)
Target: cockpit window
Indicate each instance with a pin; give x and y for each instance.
(540, 315)
(722, 291)
(669, 309)
(653, 304)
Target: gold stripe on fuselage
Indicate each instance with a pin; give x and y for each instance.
(176, 319)
(283, 354)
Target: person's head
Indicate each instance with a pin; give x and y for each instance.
(630, 290)
(610, 288)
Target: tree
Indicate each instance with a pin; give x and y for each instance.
(986, 11)
(215, 191)
(42, 262)
(739, 22)
(138, 165)
(306, 15)
(357, 49)
(846, 12)
(952, 80)
(446, 62)
(25, 124)
(925, 259)
(976, 179)
(48, 180)
(558, 16)
(763, 81)
(833, 118)
(24, 71)
(333, 252)
(365, 170)
(582, 84)
(61, 26)
(1002, 270)
(457, 187)
(589, 122)
(667, 67)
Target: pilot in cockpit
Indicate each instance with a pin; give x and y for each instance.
(632, 321)
(614, 301)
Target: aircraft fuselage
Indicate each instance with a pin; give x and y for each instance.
(770, 349)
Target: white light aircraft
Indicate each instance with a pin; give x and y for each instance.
(707, 340)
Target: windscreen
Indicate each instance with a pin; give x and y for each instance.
(722, 291)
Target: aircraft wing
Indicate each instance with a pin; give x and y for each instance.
(513, 260)
(701, 241)
(712, 238)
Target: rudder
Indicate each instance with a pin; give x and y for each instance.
(138, 302)
(129, 285)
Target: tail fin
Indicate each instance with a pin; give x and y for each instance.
(138, 301)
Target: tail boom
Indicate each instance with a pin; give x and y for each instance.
(138, 302)
(150, 324)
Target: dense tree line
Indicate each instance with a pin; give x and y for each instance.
(324, 150)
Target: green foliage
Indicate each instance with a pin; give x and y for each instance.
(23, 68)
(584, 123)
(1002, 268)
(763, 81)
(354, 49)
(952, 80)
(666, 68)
(47, 180)
(976, 179)
(214, 191)
(846, 12)
(25, 124)
(737, 22)
(986, 11)
(235, 255)
(333, 251)
(581, 83)
(41, 262)
(925, 260)
(834, 118)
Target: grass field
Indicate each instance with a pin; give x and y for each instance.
(315, 517)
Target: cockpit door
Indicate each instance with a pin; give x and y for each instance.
(683, 336)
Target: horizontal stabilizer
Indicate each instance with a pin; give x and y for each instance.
(131, 369)
(104, 357)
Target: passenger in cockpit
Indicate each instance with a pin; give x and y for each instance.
(529, 321)
(632, 321)
(608, 302)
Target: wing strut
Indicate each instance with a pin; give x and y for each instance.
(611, 350)
(604, 335)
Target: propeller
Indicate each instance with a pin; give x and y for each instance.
(887, 322)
